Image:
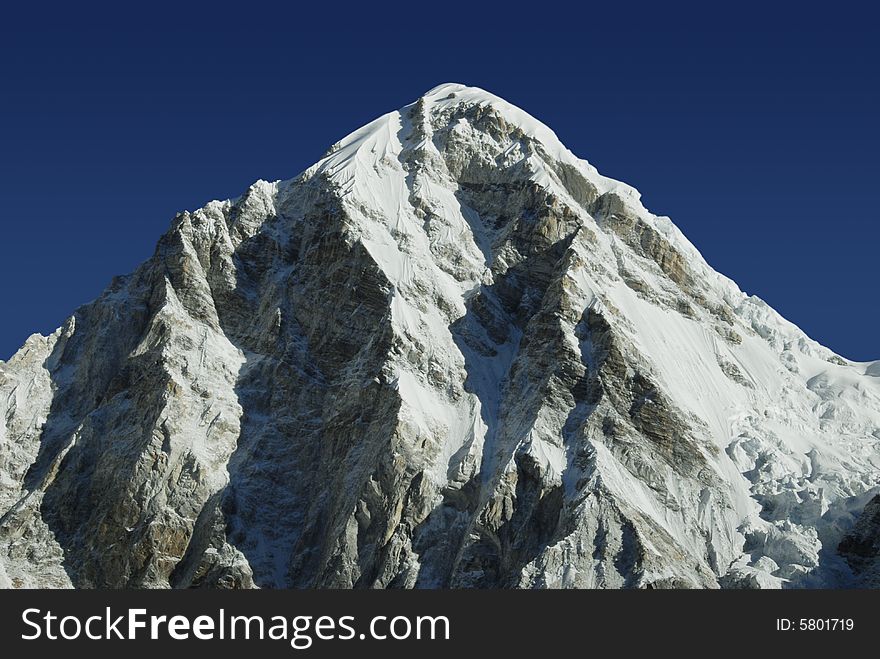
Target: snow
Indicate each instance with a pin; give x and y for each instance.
(798, 425)
(801, 426)
(788, 427)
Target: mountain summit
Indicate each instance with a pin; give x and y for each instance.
(449, 354)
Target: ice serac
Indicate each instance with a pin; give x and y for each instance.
(449, 354)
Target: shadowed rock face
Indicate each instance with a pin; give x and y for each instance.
(861, 546)
(450, 354)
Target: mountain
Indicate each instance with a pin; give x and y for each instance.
(449, 354)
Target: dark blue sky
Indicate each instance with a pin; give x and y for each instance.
(757, 132)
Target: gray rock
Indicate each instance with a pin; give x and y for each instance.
(861, 546)
(450, 354)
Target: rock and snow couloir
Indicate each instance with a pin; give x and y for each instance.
(449, 354)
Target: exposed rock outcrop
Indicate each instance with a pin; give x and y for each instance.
(861, 546)
(450, 354)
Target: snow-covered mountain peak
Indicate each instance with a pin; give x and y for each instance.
(450, 106)
(453, 95)
(449, 353)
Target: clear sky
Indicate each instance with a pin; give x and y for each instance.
(755, 129)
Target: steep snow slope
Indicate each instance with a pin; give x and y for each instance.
(450, 353)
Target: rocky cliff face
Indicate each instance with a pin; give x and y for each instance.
(450, 354)
(861, 546)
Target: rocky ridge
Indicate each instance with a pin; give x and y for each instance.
(449, 354)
